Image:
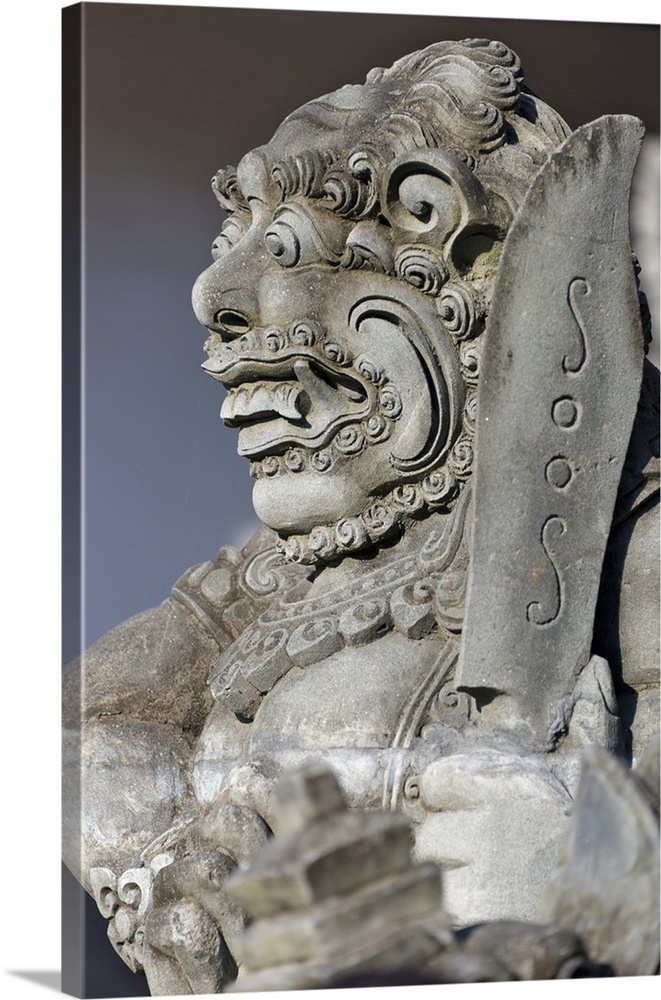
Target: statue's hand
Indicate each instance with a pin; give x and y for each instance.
(494, 812)
(172, 918)
(494, 820)
(190, 925)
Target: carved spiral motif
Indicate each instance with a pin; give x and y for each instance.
(420, 267)
(311, 166)
(469, 359)
(446, 698)
(274, 340)
(366, 164)
(302, 334)
(504, 86)
(321, 543)
(261, 574)
(270, 465)
(351, 189)
(362, 163)
(226, 189)
(470, 407)
(351, 533)
(422, 591)
(412, 787)
(457, 311)
(322, 460)
(349, 440)
(461, 458)
(295, 460)
(337, 354)
(369, 370)
(439, 487)
(407, 498)
(379, 519)
(487, 121)
(376, 428)
(390, 402)
(285, 175)
(303, 172)
(501, 52)
(347, 193)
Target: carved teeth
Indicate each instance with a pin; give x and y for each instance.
(264, 399)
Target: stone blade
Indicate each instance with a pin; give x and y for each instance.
(558, 393)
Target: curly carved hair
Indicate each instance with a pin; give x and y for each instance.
(467, 97)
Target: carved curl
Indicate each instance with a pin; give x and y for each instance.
(465, 96)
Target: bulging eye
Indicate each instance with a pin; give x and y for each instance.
(283, 243)
(300, 236)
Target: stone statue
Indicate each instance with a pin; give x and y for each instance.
(424, 308)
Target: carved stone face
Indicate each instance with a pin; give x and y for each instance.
(343, 382)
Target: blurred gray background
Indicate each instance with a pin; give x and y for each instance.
(170, 95)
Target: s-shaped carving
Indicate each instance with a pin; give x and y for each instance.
(535, 612)
(573, 365)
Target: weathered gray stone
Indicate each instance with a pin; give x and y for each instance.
(563, 364)
(374, 846)
(332, 890)
(607, 885)
(332, 928)
(528, 951)
(408, 947)
(333, 933)
(424, 312)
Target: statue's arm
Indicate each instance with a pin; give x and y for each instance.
(152, 667)
(136, 701)
(133, 705)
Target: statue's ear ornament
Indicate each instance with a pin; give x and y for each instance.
(430, 196)
(438, 409)
(560, 379)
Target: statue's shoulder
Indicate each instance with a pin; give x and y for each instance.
(639, 486)
(228, 593)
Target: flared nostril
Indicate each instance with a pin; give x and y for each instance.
(229, 311)
(231, 321)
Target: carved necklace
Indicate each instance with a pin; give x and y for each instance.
(413, 595)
